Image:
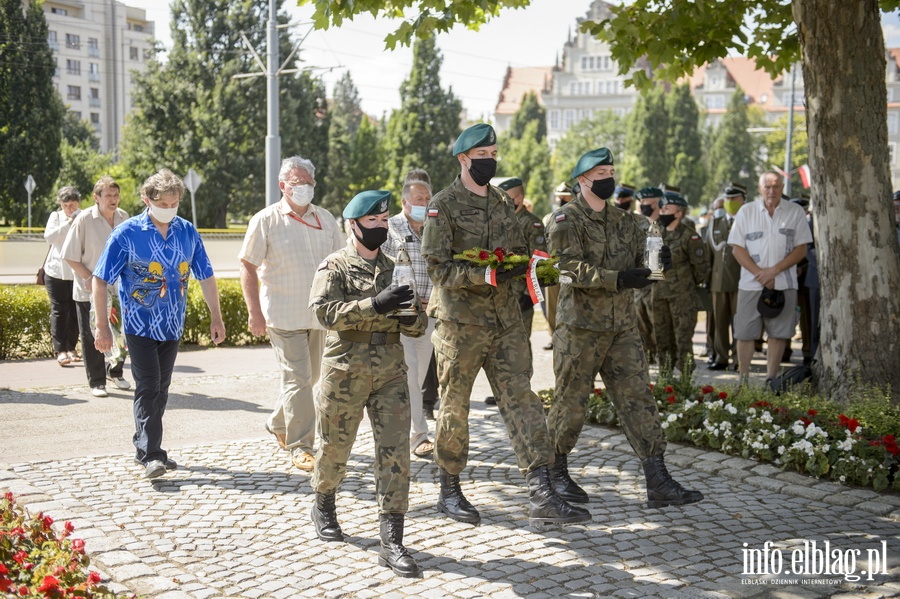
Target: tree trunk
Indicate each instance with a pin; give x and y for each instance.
(844, 73)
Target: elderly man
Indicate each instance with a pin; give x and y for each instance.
(81, 250)
(284, 244)
(152, 256)
(479, 325)
(601, 252)
(768, 239)
(405, 232)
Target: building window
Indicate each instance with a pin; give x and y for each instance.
(135, 27)
(604, 63)
(73, 41)
(554, 119)
(94, 71)
(568, 118)
(94, 97)
(713, 101)
(713, 82)
(890, 94)
(798, 99)
(892, 151)
(95, 118)
(133, 53)
(75, 114)
(73, 67)
(74, 92)
(52, 41)
(93, 47)
(892, 122)
(59, 11)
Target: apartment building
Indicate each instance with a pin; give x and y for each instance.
(98, 44)
(586, 80)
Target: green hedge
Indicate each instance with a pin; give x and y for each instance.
(25, 319)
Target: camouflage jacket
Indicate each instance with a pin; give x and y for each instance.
(690, 264)
(459, 220)
(533, 230)
(341, 298)
(593, 247)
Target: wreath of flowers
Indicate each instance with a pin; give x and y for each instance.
(547, 273)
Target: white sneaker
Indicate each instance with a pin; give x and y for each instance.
(120, 382)
(99, 391)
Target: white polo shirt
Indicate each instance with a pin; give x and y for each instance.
(287, 253)
(768, 239)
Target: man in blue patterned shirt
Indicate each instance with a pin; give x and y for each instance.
(151, 256)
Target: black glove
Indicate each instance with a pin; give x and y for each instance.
(634, 278)
(665, 257)
(506, 275)
(408, 320)
(392, 298)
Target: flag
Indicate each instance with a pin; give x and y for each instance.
(804, 175)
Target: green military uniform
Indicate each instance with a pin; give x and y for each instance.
(675, 300)
(596, 326)
(479, 326)
(363, 368)
(723, 285)
(643, 299)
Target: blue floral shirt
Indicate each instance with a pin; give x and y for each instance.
(153, 274)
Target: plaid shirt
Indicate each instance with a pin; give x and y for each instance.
(401, 235)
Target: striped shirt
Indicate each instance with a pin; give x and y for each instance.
(287, 253)
(401, 235)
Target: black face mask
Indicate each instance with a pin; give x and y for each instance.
(625, 206)
(483, 170)
(371, 238)
(666, 219)
(603, 188)
(647, 210)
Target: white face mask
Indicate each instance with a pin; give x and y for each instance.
(302, 194)
(417, 213)
(718, 213)
(163, 215)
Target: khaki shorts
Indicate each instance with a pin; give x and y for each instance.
(748, 322)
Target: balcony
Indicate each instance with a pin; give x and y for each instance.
(93, 51)
(54, 45)
(93, 76)
(94, 102)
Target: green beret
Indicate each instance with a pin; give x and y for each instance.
(672, 197)
(624, 190)
(591, 159)
(510, 183)
(735, 189)
(368, 202)
(475, 136)
(649, 192)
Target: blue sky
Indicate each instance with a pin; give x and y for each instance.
(474, 62)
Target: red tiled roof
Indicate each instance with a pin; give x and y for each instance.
(518, 82)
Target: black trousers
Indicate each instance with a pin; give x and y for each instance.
(63, 314)
(152, 363)
(430, 387)
(94, 361)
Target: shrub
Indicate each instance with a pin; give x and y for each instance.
(36, 562)
(853, 444)
(25, 319)
(24, 322)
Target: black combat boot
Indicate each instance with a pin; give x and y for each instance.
(393, 554)
(563, 485)
(545, 506)
(325, 518)
(452, 502)
(662, 490)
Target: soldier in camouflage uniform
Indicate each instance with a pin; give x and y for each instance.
(675, 300)
(601, 252)
(563, 195)
(649, 206)
(363, 368)
(479, 325)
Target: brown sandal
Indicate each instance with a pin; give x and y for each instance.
(424, 449)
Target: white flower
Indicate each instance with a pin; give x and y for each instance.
(766, 417)
(781, 449)
(798, 428)
(842, 478)
(731, 409)
(672, 418)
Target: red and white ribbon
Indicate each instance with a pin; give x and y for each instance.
(490, 276)
(531, 279)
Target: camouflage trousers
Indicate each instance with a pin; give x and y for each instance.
(578, 355)
(340, 400)
(461, 350)
(643, 303)
(674, 321)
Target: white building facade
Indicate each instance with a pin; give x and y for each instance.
(98, 44)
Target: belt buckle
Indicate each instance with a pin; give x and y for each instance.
(379, 338)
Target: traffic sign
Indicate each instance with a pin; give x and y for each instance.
(192, 180)
(29, 184)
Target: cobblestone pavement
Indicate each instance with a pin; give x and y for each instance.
(233, 520)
